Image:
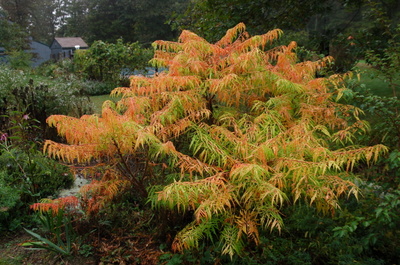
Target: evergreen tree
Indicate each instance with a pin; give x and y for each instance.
(12, 36)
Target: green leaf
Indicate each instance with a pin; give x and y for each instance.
(47, 244)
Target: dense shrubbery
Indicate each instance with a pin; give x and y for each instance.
(107, 62)
(26, 175)
(384, 117)
(66, 70)
(382, 111)
(24, 179)
(40, 97)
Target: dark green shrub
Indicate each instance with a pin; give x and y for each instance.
(368, 230)
(93, 87)
(384, 118)
(20, 60)
(9, 199)
(26, 175)
(35, 175)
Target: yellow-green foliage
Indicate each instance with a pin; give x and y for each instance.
(262, 128)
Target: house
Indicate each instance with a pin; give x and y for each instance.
(2, 55)
(41, 52)
(64, 47)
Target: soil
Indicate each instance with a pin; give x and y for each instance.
(126, 250)
(12, 253)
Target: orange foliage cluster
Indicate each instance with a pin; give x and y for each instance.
(56, 205)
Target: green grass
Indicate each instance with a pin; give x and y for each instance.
(374, 81)
(99, 100)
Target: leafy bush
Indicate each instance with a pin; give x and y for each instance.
(383, 114)
(35, 175)
(370, 228)
(384, 117)
(9, 198)
(66, 70)
(26, 175)
(40, 97)
(106, 61)
(93, 87)
(19, 60)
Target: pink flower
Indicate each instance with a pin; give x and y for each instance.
(25, 117)
(4, 137)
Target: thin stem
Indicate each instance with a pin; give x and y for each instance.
(127, 169)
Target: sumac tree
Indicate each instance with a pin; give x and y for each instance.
(263, 130)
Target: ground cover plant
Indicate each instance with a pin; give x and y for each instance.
(228, 138)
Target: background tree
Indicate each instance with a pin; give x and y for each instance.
(43, 16)
(323, 27)
(76, 20)
(39, 18)
(211, 18)
(142, 21)
(12, 36)
(67, 18)
(18, 11)
(153, 20)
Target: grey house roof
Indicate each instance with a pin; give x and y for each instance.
(71, 42)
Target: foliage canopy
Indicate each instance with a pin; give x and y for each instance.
(106, 61)
(12, 36)
(263, 130)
